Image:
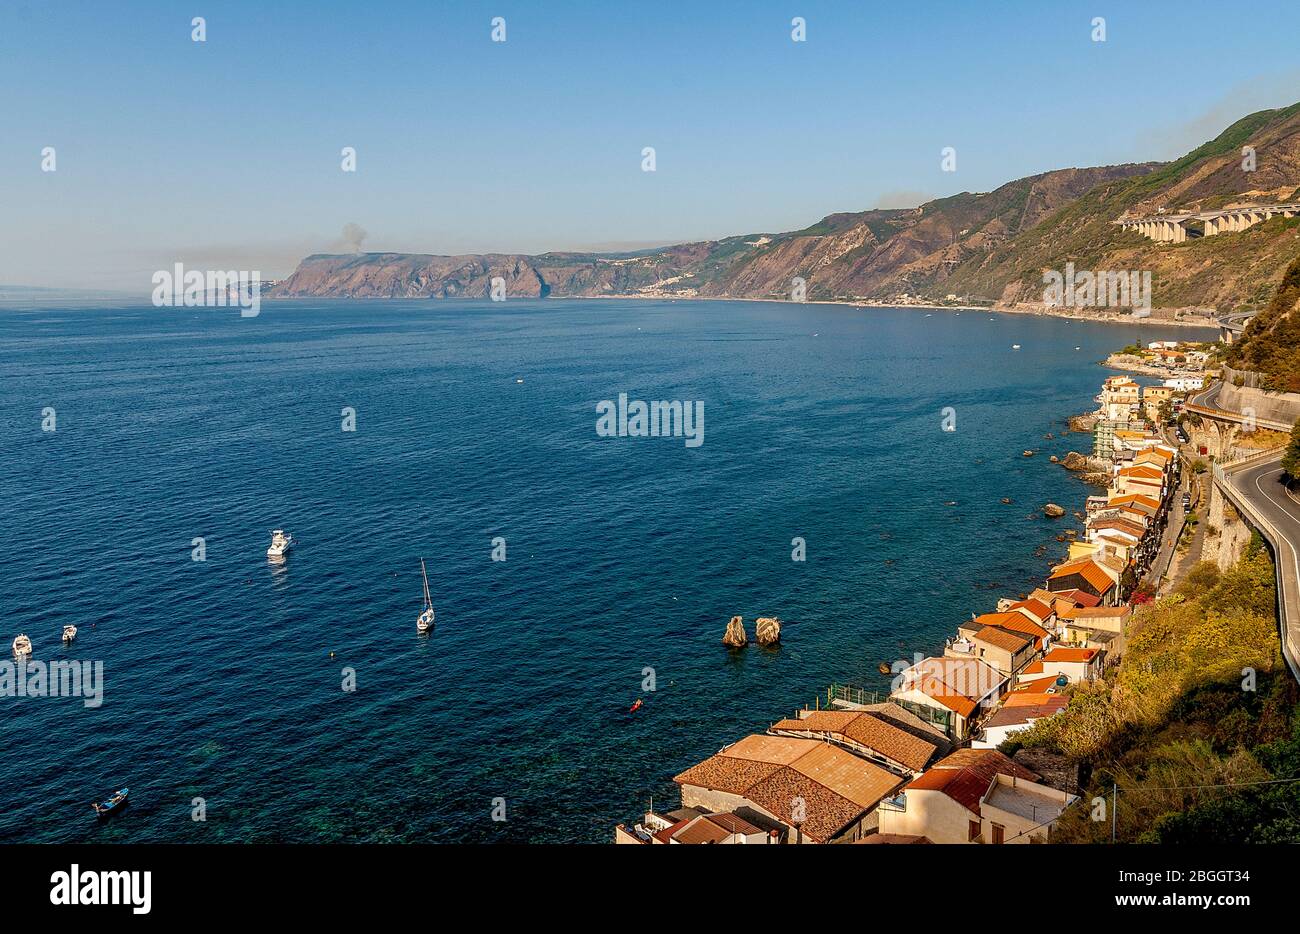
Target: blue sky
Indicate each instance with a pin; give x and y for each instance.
(226, 153)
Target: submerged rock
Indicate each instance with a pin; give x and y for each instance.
(1053, 511)
(735, 635)
(1007, 501)
(1028, 453)
(767, 629)
(1054, 459)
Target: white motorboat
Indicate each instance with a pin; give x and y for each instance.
(22, 645)
(69, 633)
(424, 622)
(281, 541)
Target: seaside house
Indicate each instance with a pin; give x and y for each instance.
(1006, 650)
(1021, 623)
(1012, 718)
(1120, 399)
(974, 796)
(958, 689)
(808, 791)
(1153, 397)
(1038, 612)
(1117, 538)
(1157, 456)
(1140, 479)
(1017, 811)
(1086, 623)
(1075, 664)
(1093, 575)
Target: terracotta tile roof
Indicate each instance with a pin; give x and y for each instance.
(1081, 597)
(714, 828)
(1115, 564)
(1137, 511)
(957, 683)
(893, 838)
(1033, 668)
(1088, 569)
(1142, 471)
(1102, 612)
(846, 774)
(825, 812)
(1034, 608)
(1153, 455)
(723, 773)
(866, 730)
(962, 705)
(666, 834)
(1040, 699)
(1000, 638)
(1120, 524)
(1023, 713)
(1035, 686)
(1135, 499)
(1016, 622)
(965, 775)
(1064, 654)
(763, 747)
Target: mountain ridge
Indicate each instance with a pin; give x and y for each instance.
(989, 247)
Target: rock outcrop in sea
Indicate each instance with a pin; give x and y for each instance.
(767, 629)
(1053, 511)
(735, 636)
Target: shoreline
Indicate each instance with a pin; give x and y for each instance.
(1204, 324)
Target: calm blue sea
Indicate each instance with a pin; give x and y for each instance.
(223, 677)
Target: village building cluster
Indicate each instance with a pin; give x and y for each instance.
(923, 764)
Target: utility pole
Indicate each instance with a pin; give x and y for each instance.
(1114, 812)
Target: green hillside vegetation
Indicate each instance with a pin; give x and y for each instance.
(1178, 715)
(1270, 344)
(1184, 274)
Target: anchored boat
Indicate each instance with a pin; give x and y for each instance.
(69, 633)
(425, 620)
(281, 542)
(105, 808)
(22, 645)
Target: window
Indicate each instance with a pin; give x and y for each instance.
(998, 833)
(973, 830)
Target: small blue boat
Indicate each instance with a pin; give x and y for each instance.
(114, 802)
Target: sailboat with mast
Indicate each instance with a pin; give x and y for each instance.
(425, 620)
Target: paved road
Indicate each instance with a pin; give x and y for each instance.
(1208, 397)
(1260, 486)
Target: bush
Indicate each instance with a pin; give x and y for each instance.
(1291, 456)
(1174, 717)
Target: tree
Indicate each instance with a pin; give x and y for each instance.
(1291, 456)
